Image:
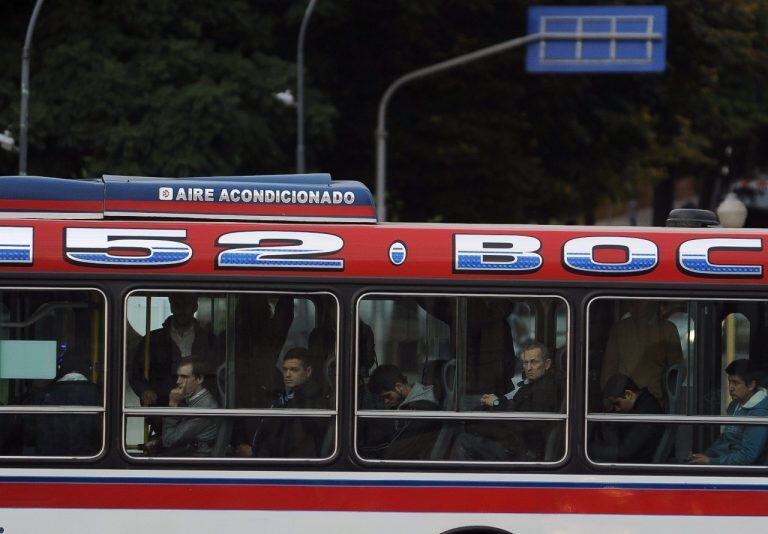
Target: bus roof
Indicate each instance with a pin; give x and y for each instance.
(295, 198)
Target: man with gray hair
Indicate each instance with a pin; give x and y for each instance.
(538, 392)
(525, 441)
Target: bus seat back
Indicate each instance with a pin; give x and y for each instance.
(672, 386)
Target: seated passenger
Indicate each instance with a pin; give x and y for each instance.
(410, 439)
(740, 444)
(188, 436)
(539, 392)
(292, 437)
(627, 442)
(68, 434)
(499, 442)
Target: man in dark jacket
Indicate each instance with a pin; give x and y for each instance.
(67, 434)
(511, 441)
(409, 439)
(153, 373)
(632, 442)
(291, 436)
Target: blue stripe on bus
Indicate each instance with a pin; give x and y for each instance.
(388, 483)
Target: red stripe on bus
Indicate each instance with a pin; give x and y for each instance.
(385, 499)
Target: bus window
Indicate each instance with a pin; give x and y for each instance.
(489, 397)
(671, 360)
(270, 356)
(51, 372)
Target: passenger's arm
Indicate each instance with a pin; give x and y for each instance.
(181, 431)
(752, 446)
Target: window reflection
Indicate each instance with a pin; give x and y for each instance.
(246, 351)
(676, 358)
(480, 356)
(51, 356)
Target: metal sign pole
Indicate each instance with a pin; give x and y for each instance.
(604, 30)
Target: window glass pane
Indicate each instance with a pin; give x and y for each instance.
(67, 435)
(270, 437)
(229, 351)
(617, 442)
(465, 354)
(510, 441)
(677, 443)
(51, 354)
(678, 358)
(638, 341)
(461, 441)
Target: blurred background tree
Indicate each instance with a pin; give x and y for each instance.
(179, 88)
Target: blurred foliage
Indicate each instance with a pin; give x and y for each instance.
(179, 88)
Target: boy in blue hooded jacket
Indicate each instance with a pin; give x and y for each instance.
(740, 444)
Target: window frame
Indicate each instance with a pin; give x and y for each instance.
(469, 415)
(127, 412)
(64, 409)
(665, 419)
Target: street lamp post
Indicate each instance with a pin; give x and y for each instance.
(24, 114)
(381, 128)
(300, 160)
(732, 212)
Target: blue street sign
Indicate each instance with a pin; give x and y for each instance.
(597, 39)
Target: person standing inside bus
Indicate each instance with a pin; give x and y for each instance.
(180, 336)
(410, 439)
(490, 350)
(188, 436)
(260, 333)
(740, 444)
(292, 437)
(641, 346)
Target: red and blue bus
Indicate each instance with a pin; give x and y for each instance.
(460, 375)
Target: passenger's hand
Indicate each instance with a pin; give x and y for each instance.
(175, 397)
(698, 459)
(489, 399)
(152, 446)
(243, 451)
(148, 398)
